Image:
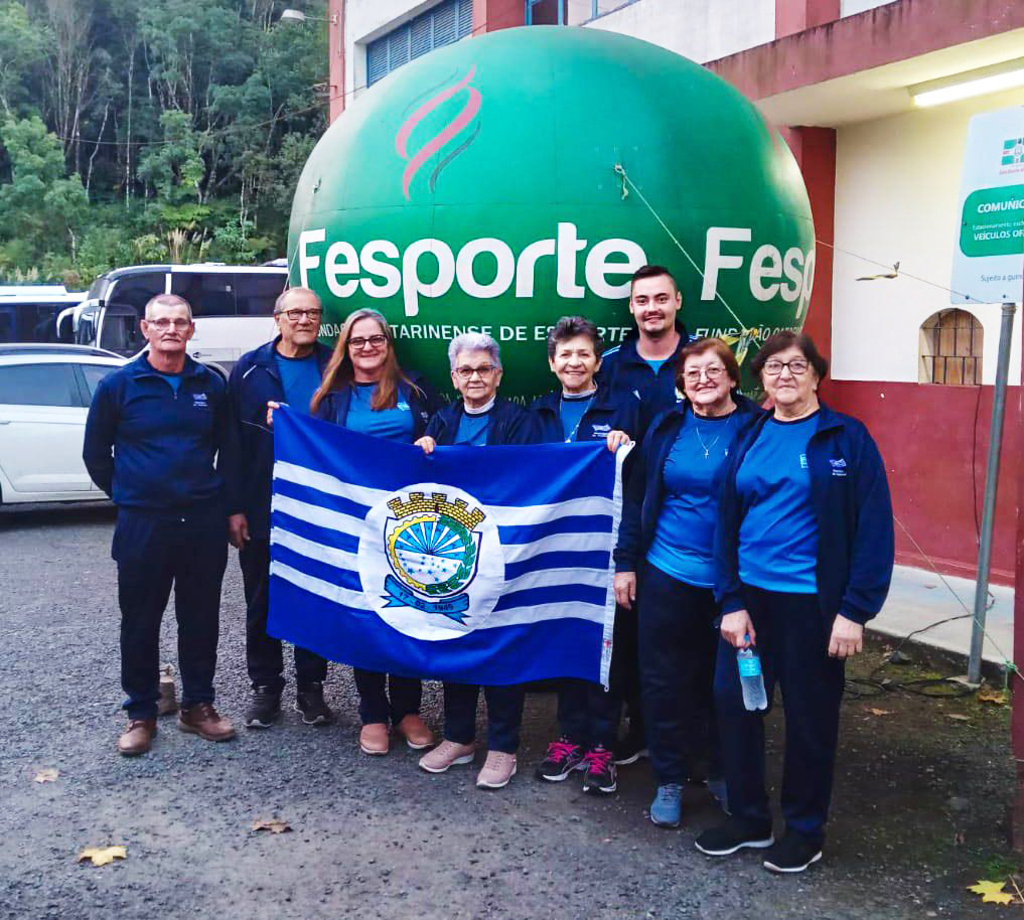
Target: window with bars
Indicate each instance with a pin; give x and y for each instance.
(440, 25)
(950, 349)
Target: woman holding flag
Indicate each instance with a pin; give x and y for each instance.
(581, 410)
(365, 389)
(480, 418)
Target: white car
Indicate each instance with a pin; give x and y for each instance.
(45, 392)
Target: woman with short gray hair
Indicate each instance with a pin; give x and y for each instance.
(481, 418)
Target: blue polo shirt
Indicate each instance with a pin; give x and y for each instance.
(300, 379)
(395, 424)
(778, 544)
(683, 544)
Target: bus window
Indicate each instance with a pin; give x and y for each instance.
(208, 293)
(121, 332)
(255, 292)
(136, 290)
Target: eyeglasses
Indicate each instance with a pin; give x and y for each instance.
(713, 373)
(466, 373)
(798, 366)
(164, 323)
(374, 341)
(295, 316)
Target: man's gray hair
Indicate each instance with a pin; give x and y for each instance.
(473, 341)
(282, 300)
(167, 300)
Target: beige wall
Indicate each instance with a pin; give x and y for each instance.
(897, 198)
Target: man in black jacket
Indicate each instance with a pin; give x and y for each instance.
(286, 370)
(154, 428)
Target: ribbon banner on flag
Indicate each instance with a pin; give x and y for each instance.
(479, 565)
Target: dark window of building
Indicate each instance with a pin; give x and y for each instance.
(950, 349)
(38, 385)
(569, 12)
(440, 25)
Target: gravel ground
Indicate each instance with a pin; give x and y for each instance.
(919, 801)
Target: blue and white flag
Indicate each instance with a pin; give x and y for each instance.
(479, 565)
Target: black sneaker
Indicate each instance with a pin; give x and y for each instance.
(734, 835)
(562, 758)
(310, 702)
(600, 775)
(264, 709)
(629, 750)
(793, 853)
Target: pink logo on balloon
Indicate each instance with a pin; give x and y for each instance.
(416, 160)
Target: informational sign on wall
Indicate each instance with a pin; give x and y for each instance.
(988, 258)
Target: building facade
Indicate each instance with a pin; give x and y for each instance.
(883, 174)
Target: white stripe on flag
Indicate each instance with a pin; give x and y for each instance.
(516, 616)
(321, 517)
(558, 543)
(547, 578)
(331, 555)
(336, 593)
(322, 482)
(503, 515)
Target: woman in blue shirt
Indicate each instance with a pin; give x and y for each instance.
(804, 554)
(664, 564)
(581, 410)
(366, 390)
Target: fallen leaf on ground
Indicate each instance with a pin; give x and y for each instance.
(992, 892)
(275, 826)
(47, 776)
(992, 696)
(100, 856)
(958, 716)
(879, 712)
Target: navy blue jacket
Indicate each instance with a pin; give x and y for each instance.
(152, 449)
(421, 398)
(608, 412)
(645, 488)
(510, 424)
(248, 460)
(623, 370)
(850, 495)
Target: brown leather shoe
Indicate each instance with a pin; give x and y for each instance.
(373, 738)
(202, 720)
(417, 735)
(137, 738)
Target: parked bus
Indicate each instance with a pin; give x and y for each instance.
(232, 305)
(28, 312)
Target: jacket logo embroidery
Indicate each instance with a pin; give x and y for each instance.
(199, 401)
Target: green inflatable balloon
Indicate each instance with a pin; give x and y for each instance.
(504, 181)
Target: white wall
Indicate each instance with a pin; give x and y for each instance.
(852, 7)
(702, 30)
(897, 198)
(366, 20)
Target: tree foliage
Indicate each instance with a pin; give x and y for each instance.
(144, 130)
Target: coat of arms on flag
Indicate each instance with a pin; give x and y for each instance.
(485, 565)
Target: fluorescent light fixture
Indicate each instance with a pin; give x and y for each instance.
(992, 79)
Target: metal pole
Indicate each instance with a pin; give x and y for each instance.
(991, 487)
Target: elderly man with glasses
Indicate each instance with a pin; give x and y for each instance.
(287, 370)
(153, 431)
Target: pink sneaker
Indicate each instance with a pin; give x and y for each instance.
(498, 769)
(447, 754)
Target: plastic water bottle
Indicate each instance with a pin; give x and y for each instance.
(751, 679)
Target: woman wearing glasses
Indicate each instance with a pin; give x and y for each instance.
(366, 390)
(804, 555)
(664, 565)
(480, 418)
